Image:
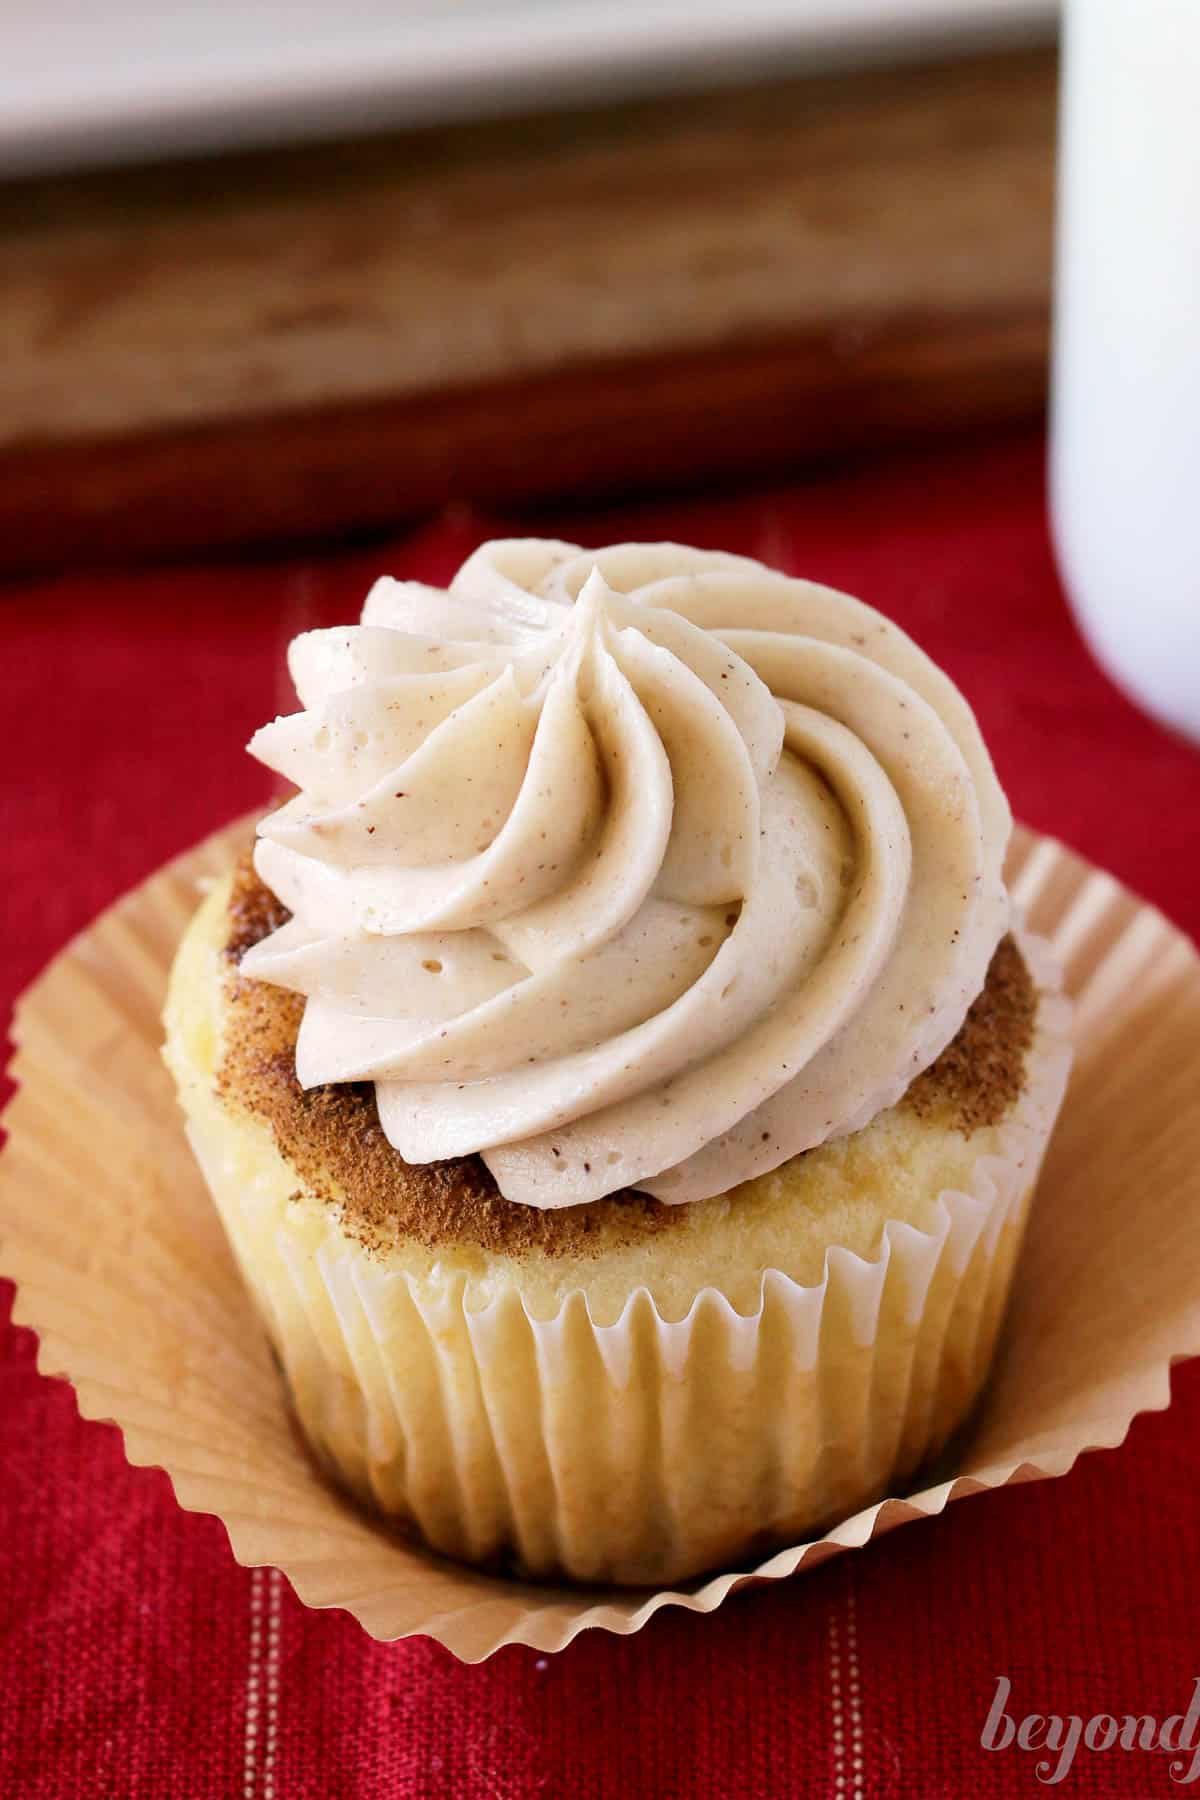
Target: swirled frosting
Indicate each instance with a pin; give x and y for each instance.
(642, 867)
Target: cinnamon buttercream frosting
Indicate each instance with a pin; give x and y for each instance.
(643, 867)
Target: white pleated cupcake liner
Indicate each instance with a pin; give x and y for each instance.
(648, 1449)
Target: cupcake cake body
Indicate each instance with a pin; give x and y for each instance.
(619, 1071)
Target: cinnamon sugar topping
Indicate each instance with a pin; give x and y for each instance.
(332, 1137)
(980, 1073)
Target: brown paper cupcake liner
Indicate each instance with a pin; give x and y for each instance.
(124, 1270)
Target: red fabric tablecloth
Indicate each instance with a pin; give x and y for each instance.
(138, 1659)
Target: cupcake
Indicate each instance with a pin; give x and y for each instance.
(619, 1067)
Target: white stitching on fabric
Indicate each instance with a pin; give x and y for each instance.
(845, 1704)
(275, 1584)
(835, 1703)
(253, 1682)
(262, 1685)
(854, 1693)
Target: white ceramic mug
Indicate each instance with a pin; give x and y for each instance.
(1125, 440)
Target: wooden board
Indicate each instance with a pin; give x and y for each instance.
(328, 339)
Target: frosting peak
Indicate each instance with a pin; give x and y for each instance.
(639, 867)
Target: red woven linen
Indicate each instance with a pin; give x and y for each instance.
(139, 1660)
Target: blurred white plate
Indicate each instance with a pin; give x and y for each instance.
(85, 81)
